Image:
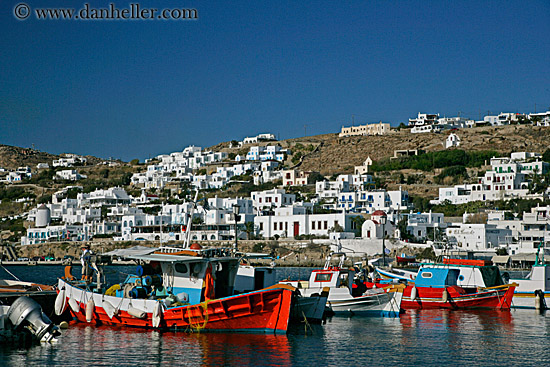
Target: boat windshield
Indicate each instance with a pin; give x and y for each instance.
(491, 276)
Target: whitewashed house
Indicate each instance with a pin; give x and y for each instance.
(469, 236)
(452, 141)
(274, 198)
(364, 168)
(507, 178)
(419, 223)
(292, 221)
(69, 175)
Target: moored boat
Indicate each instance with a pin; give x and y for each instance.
(342, 297)
(533, 290)
(10, 290)
(310, 307)
(178, 289)
(437, 286)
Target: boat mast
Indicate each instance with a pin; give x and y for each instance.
(189, 222)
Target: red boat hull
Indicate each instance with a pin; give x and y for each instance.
(458, 298)
(261, 311)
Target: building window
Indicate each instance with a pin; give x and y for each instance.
(261, 226)
(313, 225)
(274, 226)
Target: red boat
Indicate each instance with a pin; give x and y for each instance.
(179, 292)
(436, 286)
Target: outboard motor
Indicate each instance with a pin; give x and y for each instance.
(27, 313)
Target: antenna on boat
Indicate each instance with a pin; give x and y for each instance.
(189, 221)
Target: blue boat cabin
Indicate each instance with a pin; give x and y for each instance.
(437, 277)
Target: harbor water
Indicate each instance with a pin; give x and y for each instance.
(417, 338)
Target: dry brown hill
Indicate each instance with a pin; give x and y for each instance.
(334, 155)
(12, 157)
(338, 155)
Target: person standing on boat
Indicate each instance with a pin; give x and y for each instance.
(85, 258)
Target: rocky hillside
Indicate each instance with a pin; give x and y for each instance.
(12, 157)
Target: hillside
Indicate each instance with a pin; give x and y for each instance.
(12, 157)
(336, 155)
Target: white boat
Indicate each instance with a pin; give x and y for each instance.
(399, 274)
(343, 298)
(312, 307)
(534, 288)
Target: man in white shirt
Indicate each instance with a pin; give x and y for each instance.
(87, 270)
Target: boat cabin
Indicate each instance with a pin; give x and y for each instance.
(437, 277)
(186, 279)
(538, 278)
(471, 276)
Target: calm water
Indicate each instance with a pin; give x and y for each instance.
(420, 338)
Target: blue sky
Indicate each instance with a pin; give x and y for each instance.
(134, 89)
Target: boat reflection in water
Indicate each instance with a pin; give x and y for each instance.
(443, 329)
(87, 345)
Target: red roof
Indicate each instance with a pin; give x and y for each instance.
(379, 213)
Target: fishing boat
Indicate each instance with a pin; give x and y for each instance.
(532, 290)
(311, 307)
(438, 286)
(11, 289)
(177, 289)
(342, 297)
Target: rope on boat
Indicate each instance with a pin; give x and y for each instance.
(10, 273)
(306, 324)
(197, 326)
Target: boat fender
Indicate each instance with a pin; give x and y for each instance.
(540, 302)
(60, 302)
(445, 296)
(413, 293)
(109, 309)
(74, 305)
(157, 315)
(90, 306)
(137, 313)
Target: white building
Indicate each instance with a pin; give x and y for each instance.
(357, 181)
(542, 117)
(418, 223)
(370, 201)
(293, 221)
(364, 168)
(374, 228)
(69, 175)
(55, 233)
(269, 199)
(528, 233)
(264, 153)
(69, 160)
(477, 236)
(378, 128)
(424, 119)
(452, 141)
(504, 118)
(506, 179)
